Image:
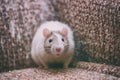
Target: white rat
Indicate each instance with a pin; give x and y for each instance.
(53, 42)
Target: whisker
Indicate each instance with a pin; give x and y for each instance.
(47, 49)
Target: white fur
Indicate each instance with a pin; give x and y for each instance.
(38, 52)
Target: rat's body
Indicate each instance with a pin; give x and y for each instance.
(53, 42)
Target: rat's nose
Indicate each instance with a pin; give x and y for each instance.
(58, 49)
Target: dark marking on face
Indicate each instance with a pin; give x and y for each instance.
(53, 39)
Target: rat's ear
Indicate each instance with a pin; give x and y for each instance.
(64, 32)
(46, 32)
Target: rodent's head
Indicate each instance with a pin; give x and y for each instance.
(56, 43)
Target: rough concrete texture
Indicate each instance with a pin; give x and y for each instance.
(51, 74)
(96, 25)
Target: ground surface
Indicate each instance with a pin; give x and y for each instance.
(55, 74)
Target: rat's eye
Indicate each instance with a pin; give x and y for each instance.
(50, 40)
(62, 39)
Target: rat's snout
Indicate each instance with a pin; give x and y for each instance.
(58, 49)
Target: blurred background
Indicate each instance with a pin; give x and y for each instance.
(96, 26)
